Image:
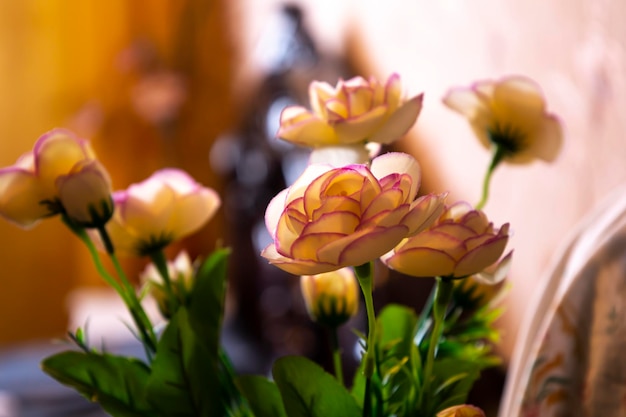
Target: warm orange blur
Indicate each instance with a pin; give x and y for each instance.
(148, 82)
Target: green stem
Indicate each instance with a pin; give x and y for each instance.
(143, 323)
(364, 274)
(334, 340)
(497, 156)
(160, 262)
(443, 294)
(84, 237)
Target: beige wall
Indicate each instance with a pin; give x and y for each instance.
(575, 49)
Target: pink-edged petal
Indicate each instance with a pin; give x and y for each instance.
(274, 210)
(305, 128)
(319, 93)
(421, 262)
(432, 239)
(398, 163)
(56, 153)
(296, 267)
(337, 203)
(424, 212)
(480, 257)
(498, 274)
(386, 218)
(21, 197)
(400, 121)
(303, 183)
(307, 247)
(393, 92)
(343, 222)
(383, 202)
(371, 245)
(360, 128)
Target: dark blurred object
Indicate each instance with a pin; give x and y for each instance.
(268, 312)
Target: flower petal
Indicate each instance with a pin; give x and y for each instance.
(360, 128)
(371, 245)
(21, 197)
(299, 126)
(398, 163)
(296, 267)
(421, 262)
(479, 258)
(400, 121)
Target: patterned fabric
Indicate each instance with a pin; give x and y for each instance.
(571, 358)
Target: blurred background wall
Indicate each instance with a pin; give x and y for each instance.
(156, 83)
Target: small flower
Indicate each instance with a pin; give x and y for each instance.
(335, 217)
(181, 273)
(167, 206)
(352, 112)
(461, 242)
(85, 194)
(464, 410)
(511, 114)
(33, 188)
(331, 298)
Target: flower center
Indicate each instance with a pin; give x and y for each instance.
(510, 138)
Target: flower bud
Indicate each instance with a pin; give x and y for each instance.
(463, 410)
(331, 298)
(181, 272)
(85, 194)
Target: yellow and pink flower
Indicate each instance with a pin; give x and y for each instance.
(60, 175)
(511, 114)
(165, 207)
(336, 217)
(460, 243)
(354, 111)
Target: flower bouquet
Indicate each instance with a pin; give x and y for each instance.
(351, 207)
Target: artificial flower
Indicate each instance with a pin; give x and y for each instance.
(85, 194)
(511, 114)
(335, 217)
(167, 206)
(463, 410)
(352, 112)
(33, 188)
(331, 298)
(460, 243)
(181, 275)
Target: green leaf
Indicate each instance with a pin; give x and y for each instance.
(206, 307)
(116, 383)
(262, 395)
(184, 380)
(308, 391)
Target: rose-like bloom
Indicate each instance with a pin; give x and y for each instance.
(461, 242)
(167, 206)
(352, 112)
(335, 217)
(85, 194)
(35, 187)
(181, 273)
(331, 298)
(510, 113)
(464, 410)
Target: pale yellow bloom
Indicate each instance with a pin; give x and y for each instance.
(167, 206)
(354, 111)
(52, 179)
(460, 243)
(331, 298)
(510, 113)
(335, 217)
